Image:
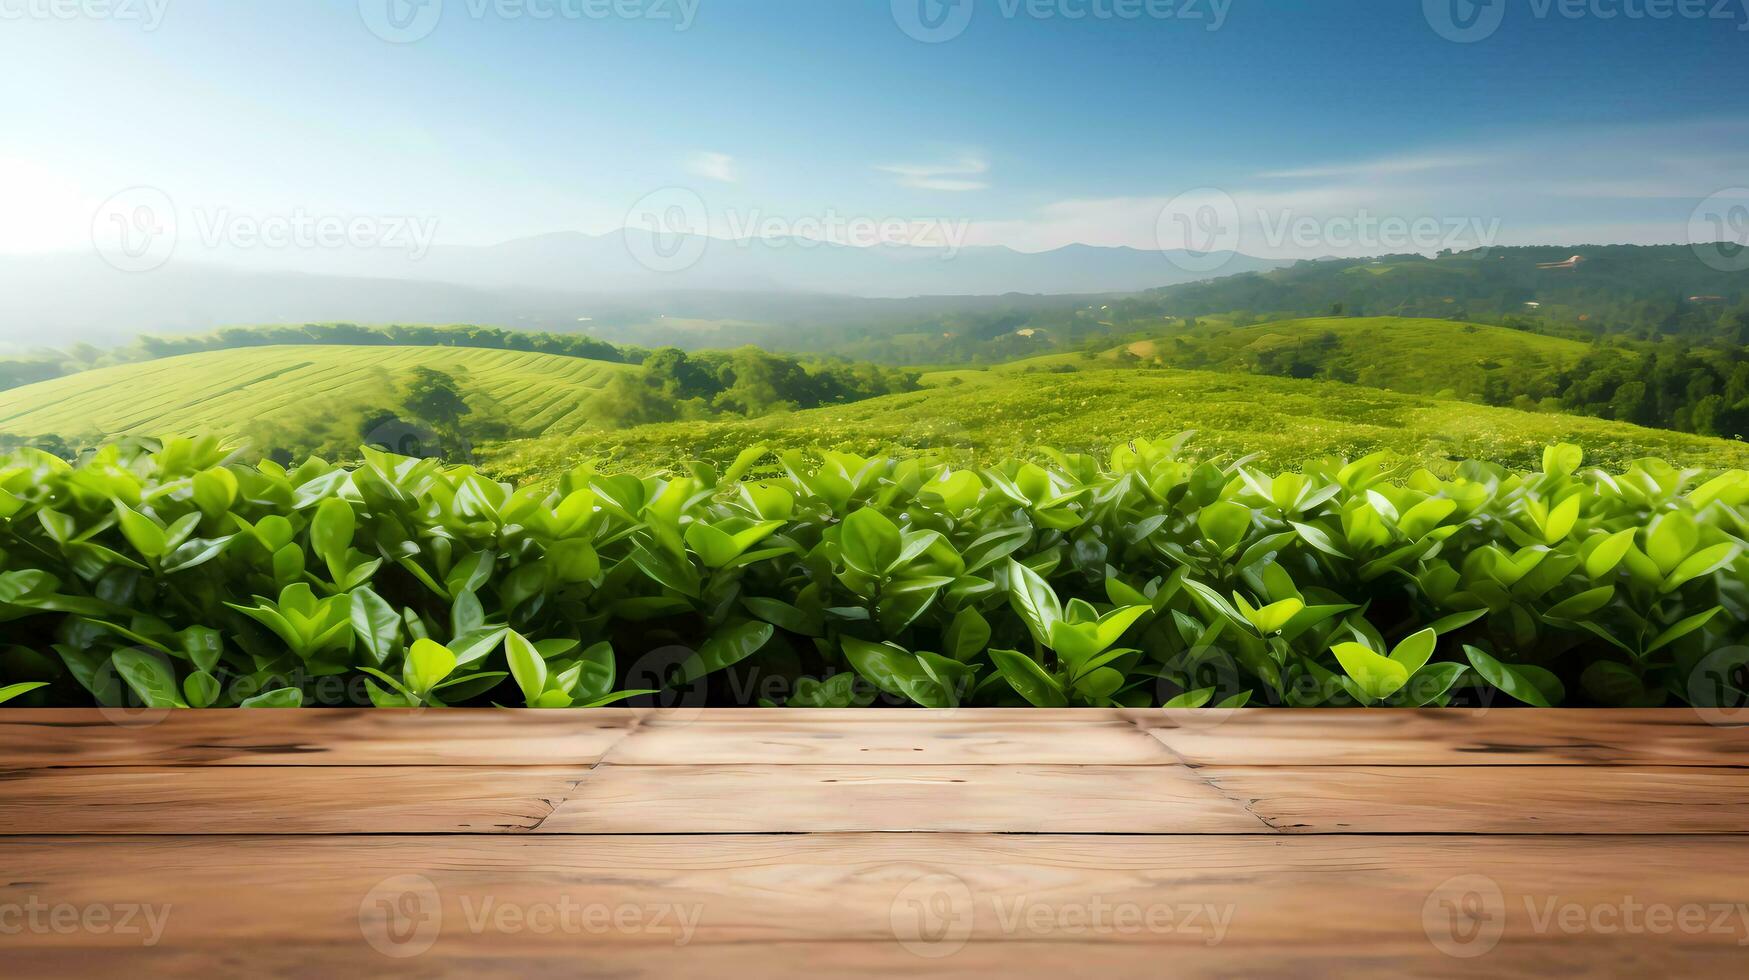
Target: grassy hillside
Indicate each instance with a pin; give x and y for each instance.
(230, 392)
(1411, 354)
(1421, 356)
(1285, 420)
(1641, 290)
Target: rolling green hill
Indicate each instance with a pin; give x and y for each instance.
(1416, 355)
(1410, 354)
(231, 392)
(1285, 420)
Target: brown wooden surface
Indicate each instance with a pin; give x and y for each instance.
(310, 843)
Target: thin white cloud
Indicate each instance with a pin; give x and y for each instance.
(1387, 167)
(963, 174)
(713, 166)
(1637, 184)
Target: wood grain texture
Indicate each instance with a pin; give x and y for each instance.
(307, 737)
(1248, 736)
(876, 843)
(1057, 799)
(888, 905)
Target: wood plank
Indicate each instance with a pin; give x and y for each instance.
(1249, 736)
(283, 799)
(939, 798)
(32, 737)
(1491, 799)
(611, 799)
(294, 958)
(1452, 736)
(864, 737)
(885, 904)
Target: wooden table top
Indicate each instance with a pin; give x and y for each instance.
(629, 842)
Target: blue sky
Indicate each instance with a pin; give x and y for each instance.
(1029, 127)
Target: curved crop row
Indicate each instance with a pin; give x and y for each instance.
(177, 577)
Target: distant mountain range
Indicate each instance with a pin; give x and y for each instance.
(563, 281)
(635, 261)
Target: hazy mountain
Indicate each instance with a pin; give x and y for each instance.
(565, 281)
(642, 262)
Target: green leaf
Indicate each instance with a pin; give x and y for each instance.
(1032, 597)
(331, 530)
(727, 646)
(968, 635)
(200, 689)
(1379, 676)
(141, 531)
(1608, 554)
(1028, 679)
(1583, 604)
(526, 665)
(376, 624)
(149, 677)
(1224, 523)
(870, 542)
(1192, 699)
(1703, 562)
(11, 691)
(897, 672)
(1272, 618)
(428, 663)
(1415, 650)
(284, 697)
(1562, 459)
(1682, 629)
(1532, 685)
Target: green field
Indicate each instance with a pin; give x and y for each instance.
(229, 392)
(1283, 419)
(1420, 356)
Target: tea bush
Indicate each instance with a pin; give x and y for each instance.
(175, 576)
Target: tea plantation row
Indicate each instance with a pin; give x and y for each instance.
(179, 577)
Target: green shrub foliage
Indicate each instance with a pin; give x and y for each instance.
(172, 576)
